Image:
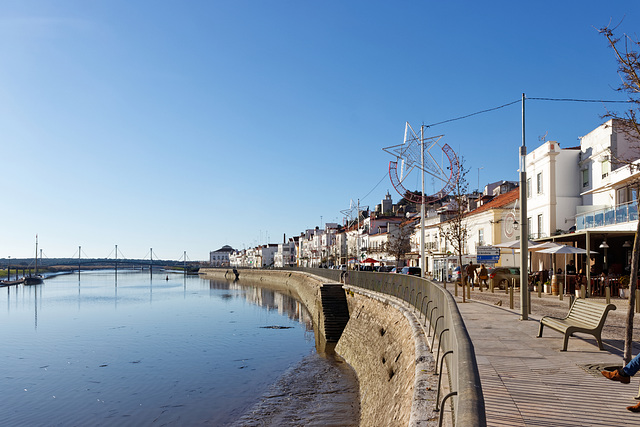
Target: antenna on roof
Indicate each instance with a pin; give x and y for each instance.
(543, 138)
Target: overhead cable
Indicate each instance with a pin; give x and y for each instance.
(533, 99)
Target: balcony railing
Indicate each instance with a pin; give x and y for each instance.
(620, 214)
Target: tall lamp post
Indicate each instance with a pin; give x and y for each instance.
(524, 249)
(423, 259)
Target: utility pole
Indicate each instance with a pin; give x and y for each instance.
(423, 258)
(79, 253)
(184, 263)
(151, 263)
(358, 239)
(116, 265)
(524, 249)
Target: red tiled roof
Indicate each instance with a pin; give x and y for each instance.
(498, 201)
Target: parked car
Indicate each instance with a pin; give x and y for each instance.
(459, 273)
(501, 276)
(385, 268)
(395, 270)
(457, 277)
(412, 271)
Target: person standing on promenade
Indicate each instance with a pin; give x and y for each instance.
(471, 272)
(483, 275)
(624, 376)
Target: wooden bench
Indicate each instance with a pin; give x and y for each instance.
(584, 316)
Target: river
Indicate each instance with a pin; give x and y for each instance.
(130, 349)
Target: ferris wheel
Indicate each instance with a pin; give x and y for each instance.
(409, 157)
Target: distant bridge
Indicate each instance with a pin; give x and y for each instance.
(74, 263)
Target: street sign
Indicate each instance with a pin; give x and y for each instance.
(488, 254)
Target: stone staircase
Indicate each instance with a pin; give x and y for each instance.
(335, 309)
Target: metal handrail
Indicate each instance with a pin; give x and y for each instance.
(462, 368)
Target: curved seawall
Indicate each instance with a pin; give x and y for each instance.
(382, 342)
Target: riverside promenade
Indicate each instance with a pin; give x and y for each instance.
(528, 381)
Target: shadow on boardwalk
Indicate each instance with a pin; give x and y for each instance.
(528, 381)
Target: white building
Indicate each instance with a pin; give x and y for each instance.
(605, 218)
(553, 193)
(220, 258)
(238, 258)
(285, 256)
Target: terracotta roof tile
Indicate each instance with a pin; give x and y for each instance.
(498, 201)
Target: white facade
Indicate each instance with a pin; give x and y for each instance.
(552, 189)
(489, 224)
(339, 248)
(620, 198)
(238, 258)
(603, 150)
(220, 258)
(266, 255)
(285, 255)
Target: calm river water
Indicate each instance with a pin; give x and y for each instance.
(184, 351)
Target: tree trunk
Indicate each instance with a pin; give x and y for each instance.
(464, 288)
(633, 281)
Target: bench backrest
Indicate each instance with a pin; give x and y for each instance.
(590, 313)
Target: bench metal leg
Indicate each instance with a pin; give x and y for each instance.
(599, 342)
(566, 341)
(540, 330)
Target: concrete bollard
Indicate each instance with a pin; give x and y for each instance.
(583, 291)
(511, 297)
(540, 290)
(561, 290)
(468, 291)
(607, 296)
(529, 298)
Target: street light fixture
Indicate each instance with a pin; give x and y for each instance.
(524, 252)
(604, 246)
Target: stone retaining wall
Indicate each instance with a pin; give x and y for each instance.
(381, 343)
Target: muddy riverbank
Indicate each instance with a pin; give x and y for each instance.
(381, 343)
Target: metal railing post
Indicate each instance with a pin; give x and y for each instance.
(444, 399)
(435, 330)
(430, 323)
(440, 378)
(439, 345)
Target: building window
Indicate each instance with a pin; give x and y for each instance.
(529, 227)
(539, 182)
(528, 188)
(585, 178)
(540, 225)
(606, 168)
(481, 237)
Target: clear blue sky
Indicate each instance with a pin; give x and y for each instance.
(180, 126)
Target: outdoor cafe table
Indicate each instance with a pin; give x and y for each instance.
(599, 285)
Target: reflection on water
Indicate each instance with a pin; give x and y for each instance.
(269, 299)
(144, 350)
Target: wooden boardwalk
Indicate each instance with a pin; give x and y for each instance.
(528, 381)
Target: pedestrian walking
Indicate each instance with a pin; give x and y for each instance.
(471, 272)
(624, 376)
(483, 275)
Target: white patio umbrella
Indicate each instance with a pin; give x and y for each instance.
(565, 249)
(513, 244)
(546, 245)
